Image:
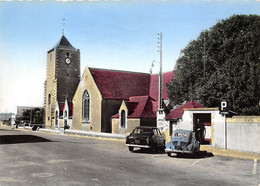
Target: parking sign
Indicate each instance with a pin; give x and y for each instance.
(224, 107)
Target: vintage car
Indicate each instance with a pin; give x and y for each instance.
(183, 141)
(145, 137)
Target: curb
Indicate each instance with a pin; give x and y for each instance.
(95, 134)
(230, 153)
(84, 133)
(49, 131)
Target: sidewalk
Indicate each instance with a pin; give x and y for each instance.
(230, 153)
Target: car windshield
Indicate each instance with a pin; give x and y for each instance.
(181, 134)
(143, 131)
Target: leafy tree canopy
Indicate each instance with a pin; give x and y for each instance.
(222, 64)
(34, 115)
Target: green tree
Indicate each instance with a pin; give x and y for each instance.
(34, 115)
(38, 115)
(222, 63)
(26, 115)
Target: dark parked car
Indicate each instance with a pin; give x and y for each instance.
(145, 137)
(183, 141)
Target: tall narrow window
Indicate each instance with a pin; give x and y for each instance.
(86, 107)
(123, 118)
(56, 118)
(49, 99)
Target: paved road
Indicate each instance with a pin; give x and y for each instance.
(32, 158)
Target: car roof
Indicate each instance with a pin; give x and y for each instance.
(183, 131)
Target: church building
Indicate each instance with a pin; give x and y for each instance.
(117, 101)
(102, 100)
(62, 79)
(100, 94)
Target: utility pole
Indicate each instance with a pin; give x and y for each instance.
(160, 75)
(161, 123)
(204, 57)
(30, 117)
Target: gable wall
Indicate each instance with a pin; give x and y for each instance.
(87, 83)
(131, 124)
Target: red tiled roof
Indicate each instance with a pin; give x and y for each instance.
(62, 108)
(141, 107)
(154, 85)
(146, 107)
(178, 112)
(120, 84)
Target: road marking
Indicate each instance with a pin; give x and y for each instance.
(196, 161)
(42, 175)
(254, 168)
(155, 155)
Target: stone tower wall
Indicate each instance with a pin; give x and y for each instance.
(67, 75)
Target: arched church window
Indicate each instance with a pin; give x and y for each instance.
(86, 107)
(122, 119)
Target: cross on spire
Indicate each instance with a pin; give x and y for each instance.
(63, 25)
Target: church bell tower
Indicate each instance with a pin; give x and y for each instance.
(62, 79)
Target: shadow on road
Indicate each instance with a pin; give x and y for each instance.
(13, 139)
(199, 155)
(149, 151)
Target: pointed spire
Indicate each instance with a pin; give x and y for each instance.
(63, 43)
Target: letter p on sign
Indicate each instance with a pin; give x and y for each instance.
(223, 105)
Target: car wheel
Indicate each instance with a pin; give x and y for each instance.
(154, 148)
(131, 149)
(163, 147)
(169, 154)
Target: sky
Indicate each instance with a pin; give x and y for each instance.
(120, 35)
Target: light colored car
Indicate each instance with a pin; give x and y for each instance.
(183, 141)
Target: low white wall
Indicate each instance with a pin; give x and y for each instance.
(218, 130)
(243, 133)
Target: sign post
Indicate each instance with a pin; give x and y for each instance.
(224, 110)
